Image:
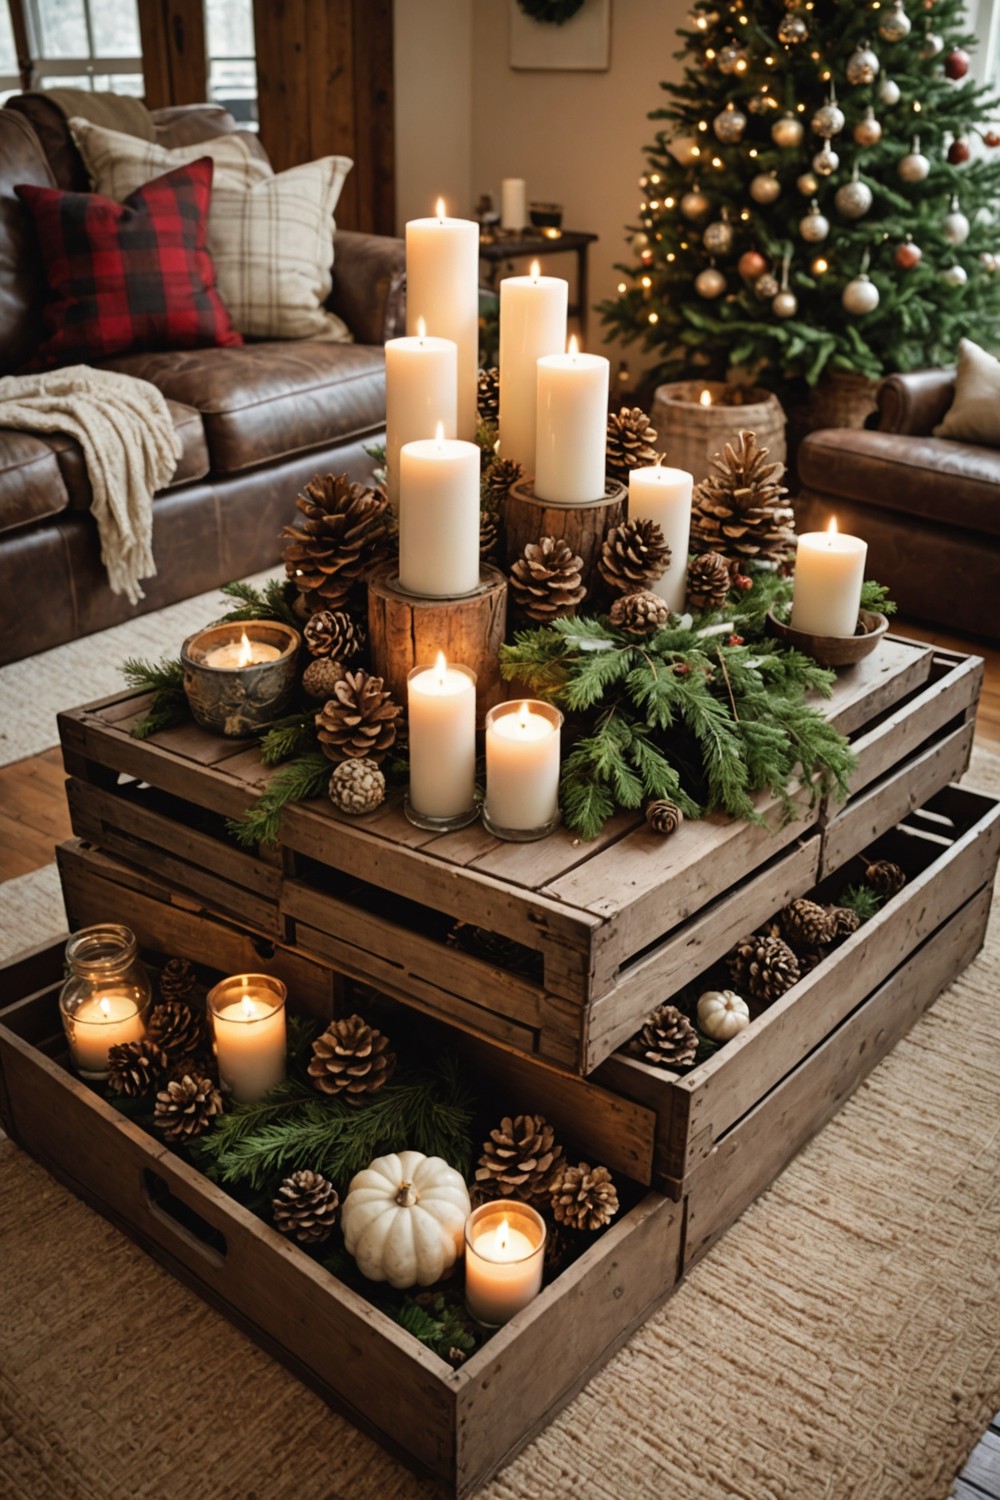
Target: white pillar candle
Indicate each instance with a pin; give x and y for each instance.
(532, 324)
(513, 203)
(98, 1025)
(421, 393)
(522, 767)
(572, 433)
(441, 722)
(442, 287)
(241, 653)
(829, 573)
(248, 1021)
(439, 517)
(664, 496)
(504, 1260)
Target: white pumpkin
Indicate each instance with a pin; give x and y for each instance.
(722, 1013)
(404, 1218)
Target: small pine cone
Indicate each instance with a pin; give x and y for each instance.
(584, 1197)
(186, 1107)
(133, 1067)
(845, 920)
(501, 474)
(631, 436)
(305, 1207)
(664, 817)
(178, 979)
(633, 555)
(200, 1064)
(520, 1159)
(359, 722)
(642, 613)
(809, 958)
(321, 677)
(488, 395)
(334, 633)
(176, 1027)
(806, 924)
(708, 581)
(351, 1059)
(763, 967)
(666, 1039)
(885, 878)
(489, 534)
(547, 580)
(344, 533)
(357, 786)
(557, 1248)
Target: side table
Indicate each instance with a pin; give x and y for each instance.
(509, 246)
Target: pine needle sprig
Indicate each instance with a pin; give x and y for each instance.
(269, 603)
(165, 680)
(443, 1326)
(875, 597)
(295, 781)
(293, 735)
(861, 899)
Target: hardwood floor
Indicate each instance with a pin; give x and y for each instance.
(33, 816)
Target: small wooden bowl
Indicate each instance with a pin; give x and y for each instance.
(833, 650)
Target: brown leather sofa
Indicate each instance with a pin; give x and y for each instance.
(929, 508)
(256, 423)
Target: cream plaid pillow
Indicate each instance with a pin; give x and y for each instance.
(118, 163)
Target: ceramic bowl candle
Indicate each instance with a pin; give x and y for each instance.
(240, 677)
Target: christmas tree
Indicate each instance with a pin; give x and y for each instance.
(813, 202)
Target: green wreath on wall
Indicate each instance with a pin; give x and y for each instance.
(553, 12)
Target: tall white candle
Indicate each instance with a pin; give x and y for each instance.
(532, 324)
(664, 496)
(439, 517)
(829, 573)
(513, 203)
(98, 1025)
(442, 287)
(248, 1021)
(504, 1260)
(441, 721)
(421, 392)
(522, 767)
(572, 431)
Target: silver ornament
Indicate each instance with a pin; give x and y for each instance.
(765, 187)
(954, 275)
(766, 287)
(815, 226)
(862, 66)
(896, 25)
(729, 125)
(730, 57)
(914, 167)
(868, 132)
(860, 296)
(695, 204)
(853, 199)
(785, 305)
(888, 92)
(639, 242)
(792, 30)
(710, 283)
(787, 132)
(988, 261)
(931, 45)
(956, 226)
(718, 237)
(828, 119)
(827, 161)
(807, 184)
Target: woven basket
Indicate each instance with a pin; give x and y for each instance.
(841, 399)
(689, 434)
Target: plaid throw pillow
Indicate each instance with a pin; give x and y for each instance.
(125, 277)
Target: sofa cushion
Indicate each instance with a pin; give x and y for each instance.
(192, 464)
(270, 401)
(952, 484)
(22, 282)
(127, 275)
(974, 415)
(118, 164)
(31, 486)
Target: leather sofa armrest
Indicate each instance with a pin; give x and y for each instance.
(916, 402)
(369, 285)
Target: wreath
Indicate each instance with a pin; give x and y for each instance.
(551, 12)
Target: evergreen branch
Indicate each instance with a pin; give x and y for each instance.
(875, 597)
(861, 899)
(442, 1326)
(165, 680)
(296, 781)
(293, 735)
(270, 603)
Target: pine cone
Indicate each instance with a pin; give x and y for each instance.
(501, 474)
(845, 920)
(885, 878)
(739, 509)
(631, 436)
(547, 581)
(351, 1059)
(664, 817)
(708, 582)
(133, 1067)
(359, 722)
(806, 924)
(176, 1027)
(178, 979)
(489, 534)
(666, 1039)
(488, 395)
(343, 534)
(321, 677)
(643, 613)
(763, 967)
(520, 1159)
(357, 786)
(584, 1197)
(305, 1207)
(334, 633)
(186, 1107)
(633, 555)
(200, 1064)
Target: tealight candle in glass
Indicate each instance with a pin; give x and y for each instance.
(504, 1260)
(105, 997)
(248, 1023)
(441, 719)
(522, 770)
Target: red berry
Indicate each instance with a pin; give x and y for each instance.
(743, 583)
(956, 64)
(907, 256)
(958, 151)
(736, 640)
(681, 669)
(991, 138)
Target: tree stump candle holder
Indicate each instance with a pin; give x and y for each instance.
(582, 527)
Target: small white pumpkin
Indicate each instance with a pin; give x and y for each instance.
(404, 1218)
(722, 1013)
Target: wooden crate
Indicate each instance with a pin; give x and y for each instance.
(612, 925)
(458, 1426)
(950, 851)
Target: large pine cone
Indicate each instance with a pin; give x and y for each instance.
(351, 1059)
(631, 436)
(501, 474)
(488, 395)
(584, 1197)
(176, 1027)
(178, 980)
(305, 1207)
(321, 677)
(739, 508)
(133, 1067)
(708, 582)
(186, 1107)
(343, 534)
(666, 1039)
(547, 581)
(763, 967)
(885, 878)
(359, 722)
(520, 1160)
(806, 924)
(333, 633)
(642, 613)
(633, 556)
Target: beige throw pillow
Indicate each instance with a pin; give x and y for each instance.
(974, 415)
(118, 163)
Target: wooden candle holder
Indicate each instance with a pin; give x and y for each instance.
(405, 631)
(582, 527)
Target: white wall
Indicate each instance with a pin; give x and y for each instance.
(432, 48)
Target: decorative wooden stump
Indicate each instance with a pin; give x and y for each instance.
(405, 631)
(582, 527)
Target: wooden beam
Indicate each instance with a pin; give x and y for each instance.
(22, 45)
(172, 34)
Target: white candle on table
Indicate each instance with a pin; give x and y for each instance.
(441, 719)
(241, 653)
(664, 496)
(439, 517)
(572, 431)
(442, 287)
(513, 203)
(248, 1021)
(421, 392)
(98, 1025)
(522, 766)
(532, 324)
(504, 1260)
(829, 573)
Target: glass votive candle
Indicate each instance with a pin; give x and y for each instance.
(248, 1023)
(441, 722)
(522, 770)
(504, 1260)
(105, 997)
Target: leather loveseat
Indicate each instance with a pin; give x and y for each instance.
(929, 508)
(256, 423)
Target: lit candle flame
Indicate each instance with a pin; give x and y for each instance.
(439, 208)
(248, 1008)
(502, 1234)
(439, 434)
(705, 399)
(421, 328)
(535, 271)
(104, 1006)
(831, 530)
(523, 715)
(574, 348)
(246, 651)
(440, 666)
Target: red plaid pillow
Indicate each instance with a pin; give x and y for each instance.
(129, 276)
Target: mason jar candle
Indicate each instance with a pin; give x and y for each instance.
(105, 997)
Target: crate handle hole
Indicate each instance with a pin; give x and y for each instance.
(262, 947)
(197, 1232)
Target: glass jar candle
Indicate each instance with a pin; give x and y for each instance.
(248, 1023)
(105, 997)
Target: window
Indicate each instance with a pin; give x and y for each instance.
(10, 77)
(232, 64)
(90, 44)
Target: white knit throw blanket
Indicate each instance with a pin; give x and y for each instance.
(129, 445)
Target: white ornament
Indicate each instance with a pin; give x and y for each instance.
(988, 261)
(404, 1219)
(807, 184)
(729, 125)
(815, 226)
(722, 1014)
(954, 275)
(868, 132)
(710, 283)
(785, 305)
(765, 187)
(862, 66)
(853, 199)
(828, 119)
(956, 226)
(695, 204)
(914, 167)
(860, 296)
(888, 92)
(827, 161)
(787, 132)
(896, 25)
(931, 45)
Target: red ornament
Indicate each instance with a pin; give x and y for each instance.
(958, 151)
(751, 264)
(908, 255)
(991, 138)
(956, 64)
(736, 640)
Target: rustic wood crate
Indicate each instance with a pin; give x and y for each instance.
(613, 925)
(950, 851)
